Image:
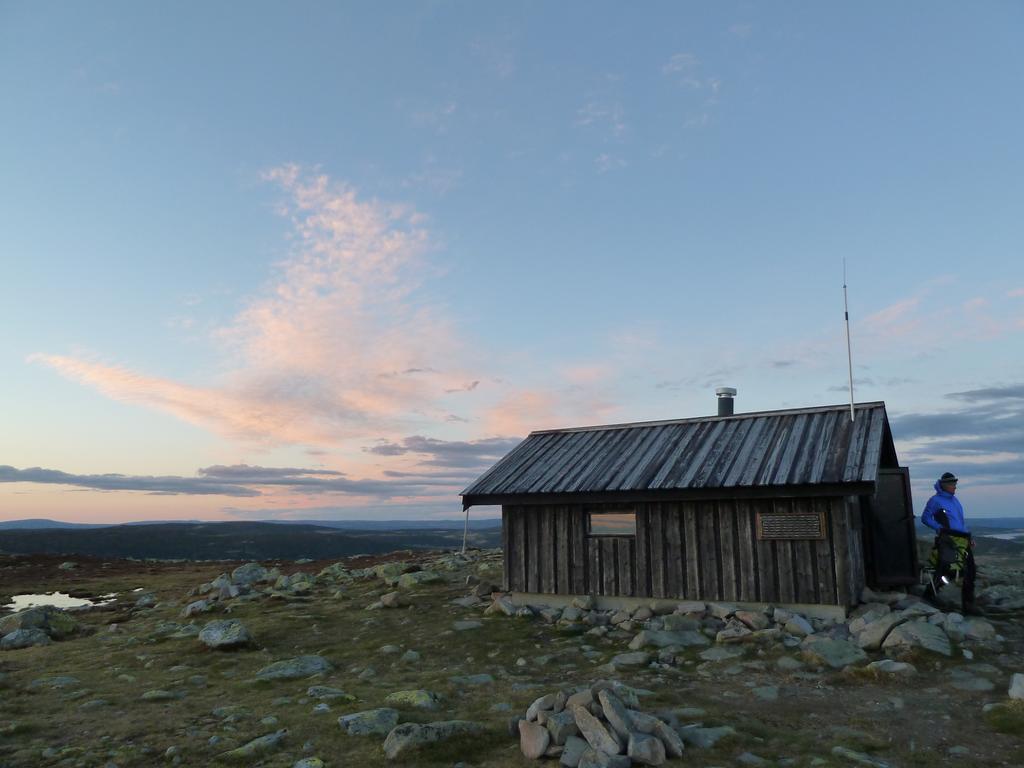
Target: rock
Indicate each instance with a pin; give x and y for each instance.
(645, 749)
(67, 566)
(868, 595)
(196, 607)
(616, 714)
(544, 702)
(917, 634)
(734, 632)
(799, 626)
(593, 730)
(371, 722)
(480, 679)
(753, 619)
(292, 669)
(582, 698)
(788, 664)
(631, 659)
(595, 758)
(410, 657)
(719, 653)
(1017, 686)
(766, 692)
(410, 736)
(871, 637)
(669, 738)
(691, 606)
(250, 573)
(721, 610)
(309, 762)
(147, 600)
(533, 739)
(327, 693)
(834, 653)
(562, 725)
(56, 623)
(24, 638)
(858, 757)
(501, 605)
(416, 578)
(392, 600)
(574, 749)
(230, 633)
(705, 738)
(978, 629)
(256, 747)
(890, 667)
(662, 639)
(417, 699)
(965, 680)
(466, 625)
(584, 602)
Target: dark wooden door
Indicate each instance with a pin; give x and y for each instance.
(890, 538)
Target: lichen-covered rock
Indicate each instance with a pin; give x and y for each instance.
(594, 731)
(417, 699)
(917, 634)
(833, 653)
(255, 748)
(56, 623)
(228, 633)
(411, 736)
(250, 573)
(24, 638)
(644, 749)
(890, 667)
(616, 714)
(873, 634)
(416, 578)
(371, 722)
(196, 607)
(662, 639)
(292, 669)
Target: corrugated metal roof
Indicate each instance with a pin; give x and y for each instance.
(808, 446)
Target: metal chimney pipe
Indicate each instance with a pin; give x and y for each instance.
(725, 397)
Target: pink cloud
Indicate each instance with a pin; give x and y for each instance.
(341, 343)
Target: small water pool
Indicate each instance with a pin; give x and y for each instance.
(57, 600)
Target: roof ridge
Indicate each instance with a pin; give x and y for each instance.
(715, 417)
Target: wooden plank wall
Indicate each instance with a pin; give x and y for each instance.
(705, 550)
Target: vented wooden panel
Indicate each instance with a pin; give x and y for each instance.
(790, 525)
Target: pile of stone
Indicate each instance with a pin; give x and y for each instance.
(599, 726)
(40, 625)
(893, 623)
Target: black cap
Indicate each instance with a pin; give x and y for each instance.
(948, 477)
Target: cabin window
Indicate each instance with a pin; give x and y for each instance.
(791, 525)
(614, 522)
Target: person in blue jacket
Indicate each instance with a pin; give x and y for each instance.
(952, 555)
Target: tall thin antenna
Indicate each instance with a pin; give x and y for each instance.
(849, 354)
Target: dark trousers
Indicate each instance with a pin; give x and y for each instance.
(947, 557)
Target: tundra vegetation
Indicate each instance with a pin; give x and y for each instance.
(415, 658)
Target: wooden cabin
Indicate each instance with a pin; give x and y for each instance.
(790, 507)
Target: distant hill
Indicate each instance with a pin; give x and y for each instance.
(233, 541)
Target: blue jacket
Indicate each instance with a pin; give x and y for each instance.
(950, 505)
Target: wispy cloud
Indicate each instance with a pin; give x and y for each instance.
(238, 480)
(608, 162)
(312, 356)
(610, 117)
(475, 454)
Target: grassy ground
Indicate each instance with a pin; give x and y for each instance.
(904, 724)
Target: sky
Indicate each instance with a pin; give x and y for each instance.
(333, 260)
